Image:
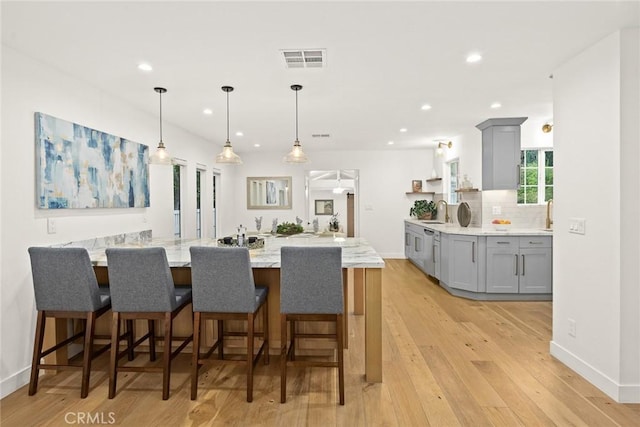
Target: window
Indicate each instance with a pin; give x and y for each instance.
(198, 211)
(216, 180)
(536, 176)
(453, 182)
(176, 201)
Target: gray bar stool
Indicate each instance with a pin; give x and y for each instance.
(310, 290)
(65, 286)
(142, 288)
(223, 289)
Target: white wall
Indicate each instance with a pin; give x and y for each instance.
(385, 176)
(596, 275)
(29, 86)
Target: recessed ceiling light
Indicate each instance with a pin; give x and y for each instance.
(145, 67)
(426, 107)
(390, 143)
(239, 133)
(403, 129)
(496, 105)
(256, 145)
(207, 111)
(474, 57)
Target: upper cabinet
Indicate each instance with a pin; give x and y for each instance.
(501, 153)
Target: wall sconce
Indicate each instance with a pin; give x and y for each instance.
(441, 145)
(547, 127)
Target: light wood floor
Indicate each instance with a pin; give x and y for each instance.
(447, 362)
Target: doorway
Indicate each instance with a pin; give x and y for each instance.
(332, 195)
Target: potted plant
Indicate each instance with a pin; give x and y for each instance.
(334, 224)
(423, 209)
(289, 228)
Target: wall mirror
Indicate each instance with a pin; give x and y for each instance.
(269, 192)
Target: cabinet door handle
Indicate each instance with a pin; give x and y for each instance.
(516, 255)
(503, 243)
(473, 251)
(415, 244)
(534, 243)
(523, 265)
(406, 239)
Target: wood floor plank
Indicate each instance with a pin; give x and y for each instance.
(447, 361)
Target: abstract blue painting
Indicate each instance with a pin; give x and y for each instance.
(79, 167)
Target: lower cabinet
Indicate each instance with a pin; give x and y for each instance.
(519, 265)
(463, 262)
(414, 247)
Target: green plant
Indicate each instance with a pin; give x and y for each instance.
(334, 224)
(421, 208)
(289, 228)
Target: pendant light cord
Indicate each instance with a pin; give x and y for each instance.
(160, 115)
(227, 116)
(296, 115)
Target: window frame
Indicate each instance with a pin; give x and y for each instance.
(541, 184)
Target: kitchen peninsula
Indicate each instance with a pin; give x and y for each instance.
(483, 263)
(357, 254)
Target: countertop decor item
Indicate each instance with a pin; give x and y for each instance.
(464, 214)
(424, 209)
(289, 228)
(252, 242)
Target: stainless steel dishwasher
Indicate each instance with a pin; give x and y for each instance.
(429, 259)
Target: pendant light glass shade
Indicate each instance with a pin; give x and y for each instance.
(161, 156)
(227, 155)
(296, 155)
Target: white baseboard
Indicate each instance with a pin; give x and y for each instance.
(14, 382)
(621, 393)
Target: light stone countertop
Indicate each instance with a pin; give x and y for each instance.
(356, 252)
(481, 231)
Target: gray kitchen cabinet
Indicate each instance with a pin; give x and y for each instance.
(414, 245)
(536, 265)
(444, 258)
(463, 262)
(519, 265)
(501, 153)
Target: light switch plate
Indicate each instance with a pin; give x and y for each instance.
(577, 225)
(497, 210)
(51, 226)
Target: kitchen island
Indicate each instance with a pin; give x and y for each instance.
(357, 254)
(500, 262)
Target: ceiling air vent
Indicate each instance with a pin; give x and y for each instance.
(305, 58)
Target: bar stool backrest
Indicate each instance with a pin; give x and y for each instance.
(222, 280)
(140, 280)
(311, 280)
(64, 280)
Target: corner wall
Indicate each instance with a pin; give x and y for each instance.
(596, 275)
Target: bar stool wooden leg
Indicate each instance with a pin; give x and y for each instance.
(195, 356)
(152, 339)
(130, 338)
(220, 339)
(250, 340)
(265, 330)
(89, 329)
(115, 346)
(339, 337)
(37, 351)
(283, 358)
(166, 356)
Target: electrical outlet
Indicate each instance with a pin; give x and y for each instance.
(572, 327)
(51, 226)
(497, 210)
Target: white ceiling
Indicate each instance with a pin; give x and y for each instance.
(384, 61)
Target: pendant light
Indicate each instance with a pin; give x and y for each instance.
(161, 156)
(227, 155)
(296, 155)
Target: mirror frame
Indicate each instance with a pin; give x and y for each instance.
(281, 181)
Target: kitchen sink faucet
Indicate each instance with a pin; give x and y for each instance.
(549, 221)
(446, 209)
